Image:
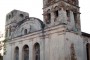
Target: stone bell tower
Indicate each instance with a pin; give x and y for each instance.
(62, 12)
(12, 20)
(62, 19)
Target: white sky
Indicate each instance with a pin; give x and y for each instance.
(34, 8)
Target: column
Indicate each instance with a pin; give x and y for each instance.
(20, 53)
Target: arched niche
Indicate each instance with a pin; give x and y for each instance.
(25, 52)
(16, 52)
(36, 51)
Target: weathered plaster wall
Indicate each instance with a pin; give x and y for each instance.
(51, 45)
(77, 40)
(55, 44)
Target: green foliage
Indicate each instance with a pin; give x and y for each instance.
(5, 41)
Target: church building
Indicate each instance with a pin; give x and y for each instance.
(57, 37)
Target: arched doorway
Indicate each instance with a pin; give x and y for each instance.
(26, 52)
(16, 53)
(36, 51)
(88, 51)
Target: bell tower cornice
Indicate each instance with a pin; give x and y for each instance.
(52, 2)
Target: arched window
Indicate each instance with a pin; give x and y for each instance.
(49, 18)
(88, 51)
(16, 53)
(68, 15)
(26, 52)
(75, 17)
(25, 31)
(56, 12)
(36, 51)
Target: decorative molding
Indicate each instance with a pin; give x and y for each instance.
(61, 32)
(13, 43)
(31, 39)
(20, 42)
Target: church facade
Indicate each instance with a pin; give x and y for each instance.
(59, 37)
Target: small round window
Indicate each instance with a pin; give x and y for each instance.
(21, 15)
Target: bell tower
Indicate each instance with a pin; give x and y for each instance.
(62, 12)
(13, 19)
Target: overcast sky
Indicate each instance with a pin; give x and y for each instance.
(34, 8)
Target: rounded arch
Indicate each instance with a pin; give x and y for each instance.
(25, 51)
(16, 52)
(36, 45)
(36, 52)
(16, 48)
(25, 46)
(56, 13)
(56, 7)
